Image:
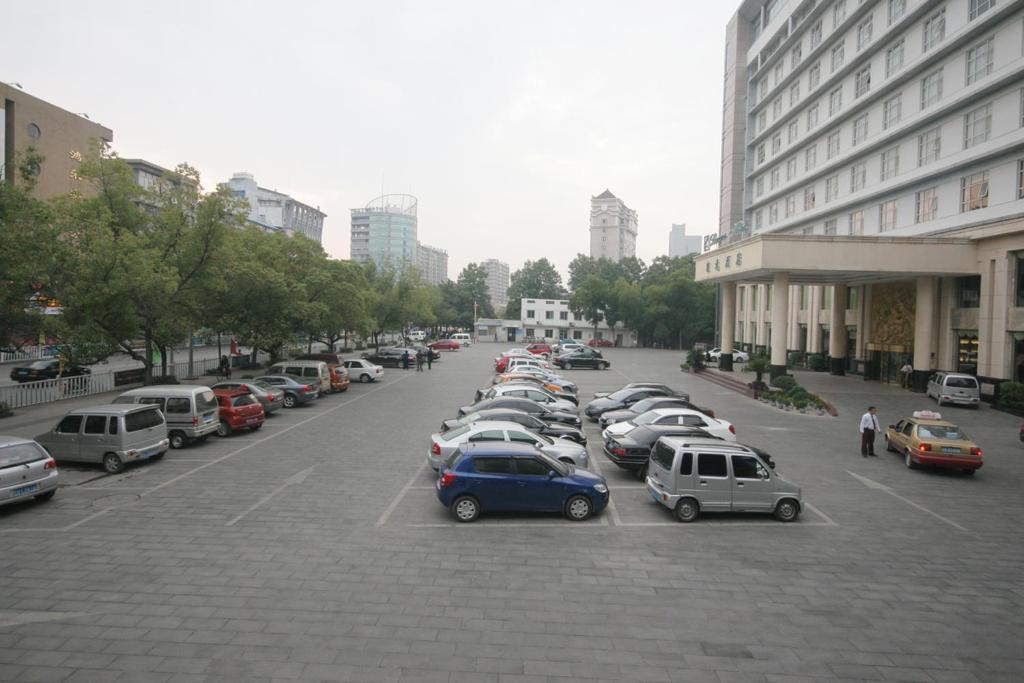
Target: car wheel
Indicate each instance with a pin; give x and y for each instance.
(256, 428)
(969, 472)
(289, 401)
(578, 508)
(223, 429)
(602, 366)
(158, 456)
(687, 509)
(641, 472)
(938, 401)
(112, 463)
(909, 461)
(178, 440)
(787, 510)
(567, 366)
(466, 509)
(365, 378)
(888, 445)
(43, 497)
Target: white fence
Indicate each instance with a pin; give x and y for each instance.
(27, 353)
(48, 390)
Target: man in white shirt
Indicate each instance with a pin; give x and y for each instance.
(868, 426)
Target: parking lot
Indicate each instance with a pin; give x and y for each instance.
(315, 549)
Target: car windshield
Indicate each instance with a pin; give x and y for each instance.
(643, 406)
(557, 465)
(962, 382)
(455, 433)
(205, 400)
(621, 394)
(20, 454)
(645, 418)
(940, 432)
(470, 417)
(40, 364)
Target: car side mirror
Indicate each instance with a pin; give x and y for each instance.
(552, 474)
(892, 426)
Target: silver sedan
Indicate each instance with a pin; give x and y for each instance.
(442, 446)
(26, 471)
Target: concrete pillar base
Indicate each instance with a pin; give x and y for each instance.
(725, 362)
(776, 371)
(836, 366)
(870, 370)
(919, 381)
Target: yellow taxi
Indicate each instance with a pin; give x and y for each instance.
(926, 439)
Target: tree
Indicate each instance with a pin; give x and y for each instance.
(589, 300)
(579, 268)
(456, 305)
(535, 280)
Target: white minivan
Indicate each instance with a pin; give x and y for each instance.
(464, 338)
(308, 370)
(954, 387)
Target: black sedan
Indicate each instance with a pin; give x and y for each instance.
(46, 369)
(668, 391)
(422, 350)
(582, 358)
(555, 430)
(296, 391)
(631, 451)
(612, 416)
(623, 398)
(390, 357)
(538, 410)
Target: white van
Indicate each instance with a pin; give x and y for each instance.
(464, 338)
(308, 370)
(417, 335)
(954, 387)
(191, 410)
(112, 435)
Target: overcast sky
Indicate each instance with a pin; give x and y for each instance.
(503, 118)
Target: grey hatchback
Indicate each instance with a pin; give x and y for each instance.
(26, 471)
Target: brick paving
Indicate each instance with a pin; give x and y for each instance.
(169, 573)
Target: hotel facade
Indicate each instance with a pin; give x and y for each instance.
(872, 202)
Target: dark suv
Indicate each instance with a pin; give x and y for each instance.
(390, 357)
(46, 369)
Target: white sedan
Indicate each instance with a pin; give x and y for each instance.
(674, 416)
(442, 446)
(737, 355)
(362, 370)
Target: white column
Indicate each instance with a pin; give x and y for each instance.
(780, 323)
(837, 331)
(924, 311)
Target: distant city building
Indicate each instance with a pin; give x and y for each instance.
(681, 244)
(59, 136)
(497, 282)
(275, 211)
(613, 227)
(384, 231)
(433, 264)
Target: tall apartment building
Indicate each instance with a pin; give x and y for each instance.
(276, 211)
(433, 264)
(873, 185)
(497, 282)
(384, 231)
(613, 227)
(59, 136)
(681, 244)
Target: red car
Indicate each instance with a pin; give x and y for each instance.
(238, 410)
(600, 342)
(540, 349)
(445, 345)
(502, 363)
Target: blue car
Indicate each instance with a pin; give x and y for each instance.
(516, 477)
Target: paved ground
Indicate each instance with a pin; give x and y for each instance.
(314, 550)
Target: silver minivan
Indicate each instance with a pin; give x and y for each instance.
(191, 410)
(112, 435)
(693, 475)
(309, 370)
(954, 387)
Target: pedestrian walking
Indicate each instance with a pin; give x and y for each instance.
(225, 367)
(405, 360)
(868, 426)
(430, 359)
(906, 371)
(419, 362)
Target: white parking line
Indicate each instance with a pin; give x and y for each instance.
(612, 510)
(297, 478)
(872, 484)
(401, 494)
(829, 520)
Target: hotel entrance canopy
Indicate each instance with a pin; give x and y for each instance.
(831, 260)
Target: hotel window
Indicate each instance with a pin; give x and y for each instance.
(777, 108)
(1020, 279)
(968, 291)
(758, 219)
(851, 298)
(795, 56)
(858, 176)
(809, 198)
(927, 205)
(762, 121)
(810, 157)
(838, 13)
(760, 153)
(813, 76)
(759, 186)
(857, 223)
(563, 315)
(807, 231)
(831, 188)
(833, 145)
(862, 81)
(778, 73)
(978, 7)
(894, 58)
(794, 94)
(530, 314)
(773, 213)
(812, 117)
(1020, 179)
(792, 132)
(974, 191)
(838, 55)
(977, 126)
(892, 111)
(790, 205)
(929, 145)
(549, 315)
(934, 30)
(887, 216)
(753, 297)
(790, 168)
(773, 178)
(860, 129)
(835, 101)
(864, 30)
(896, 10)
(776, 144)
(830, 226)
(979, 61)
(890, 163)
(931, 88)
(816, 35)
(803, 297)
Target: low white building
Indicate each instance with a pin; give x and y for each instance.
(551, 319)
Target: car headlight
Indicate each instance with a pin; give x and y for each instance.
(600, 488)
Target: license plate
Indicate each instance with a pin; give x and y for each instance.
(654, 495)
(26, 489)
(251, 420)
(208, 418)
(955, 451)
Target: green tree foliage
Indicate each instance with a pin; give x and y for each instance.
(535, 280)
(589, 300)
(456, 298)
